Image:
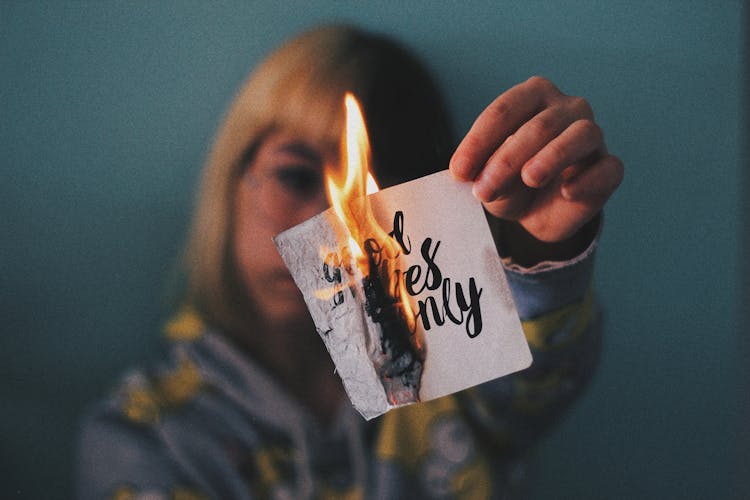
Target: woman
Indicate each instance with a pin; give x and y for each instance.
(247, 404)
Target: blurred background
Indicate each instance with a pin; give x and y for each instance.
(107, 110)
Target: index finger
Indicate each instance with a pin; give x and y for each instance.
(500, 119)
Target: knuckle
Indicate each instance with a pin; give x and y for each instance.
(497, 110)
(582, 106)
(545, 87)
(541, 83)
(589, 128)
(544, 126)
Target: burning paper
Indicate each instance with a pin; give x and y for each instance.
(405, 287)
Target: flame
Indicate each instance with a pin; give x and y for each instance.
(348, 195)
(347, 192)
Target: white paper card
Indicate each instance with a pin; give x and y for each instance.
(465, 328)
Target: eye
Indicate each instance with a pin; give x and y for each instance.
(299, 180)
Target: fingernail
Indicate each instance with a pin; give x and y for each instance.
(482, 191)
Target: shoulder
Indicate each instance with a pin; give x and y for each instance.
(115, 456)
(124, 441)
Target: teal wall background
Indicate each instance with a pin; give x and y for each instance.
(107, 110)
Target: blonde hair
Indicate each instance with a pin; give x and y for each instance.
(300, 87)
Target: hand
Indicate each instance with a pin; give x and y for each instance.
(537, 158)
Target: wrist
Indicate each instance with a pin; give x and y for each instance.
(519, 246)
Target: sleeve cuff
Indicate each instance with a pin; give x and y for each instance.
(551, 285)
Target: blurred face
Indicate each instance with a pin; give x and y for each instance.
(282, 187)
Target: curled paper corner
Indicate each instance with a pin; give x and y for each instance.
(340, 322)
